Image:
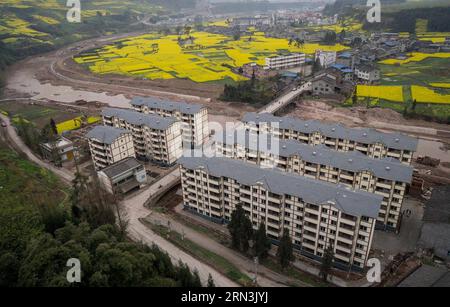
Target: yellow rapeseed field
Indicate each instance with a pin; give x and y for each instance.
(391, 93)
(417, 57)
(440, 84)
(208, 57)
(75, 123)
(425, 95)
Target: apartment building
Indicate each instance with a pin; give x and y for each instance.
(326, 58)
(193, 117)
(386, 177)
(367, 73)
(156, 138)
(317, 214)
(109, 145)
(285, 61)
(370, 142)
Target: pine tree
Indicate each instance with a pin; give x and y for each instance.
(262, 243)
(53, 126)
(285, 251)
(241, 230)
(327, 262)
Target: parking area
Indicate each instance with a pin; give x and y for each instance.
(388, 244)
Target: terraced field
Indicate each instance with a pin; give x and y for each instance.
(204, 58)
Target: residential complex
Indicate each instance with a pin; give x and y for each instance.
(370, 142)
(285, 61)
(326, 58)
(109, 145)
(386, 177)
(155, 137)
(367, 73)
(193, 117)
(123, 176)
(316, 214)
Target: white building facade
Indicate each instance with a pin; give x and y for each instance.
(193, 117)
(156, 138)
(370, 142)
(109, 145)
(386, 177)
(285, 61)
(316, 214)
(326, 58)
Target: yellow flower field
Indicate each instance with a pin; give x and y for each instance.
(442, 85)
(75, 123)
(416, 57)
(425, 95)
(391, 93)
(207, 58)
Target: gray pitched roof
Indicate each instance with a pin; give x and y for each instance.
(387, 168)
(366, 136)
(186, 108)
(106, 134)
(140, 119)
(121, 167)
(356, 203)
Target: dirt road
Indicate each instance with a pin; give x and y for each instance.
(266, 277)
(65, 175)
(135, 211)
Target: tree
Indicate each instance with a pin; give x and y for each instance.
(342, 35)
(355, 97)
(53, 126)
(241, 229)
(211, 283)
(317, 66)
(330, 38)
(261, 242)
(285, 253)
(327, 263)
(237, 35)
(414, 105)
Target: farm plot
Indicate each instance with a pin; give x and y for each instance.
(202, 57)
(426, 95)
(390, 93)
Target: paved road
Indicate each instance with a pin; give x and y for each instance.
(20, 145)
(134, 211)
(284, 100)
(139, 232)
(244, 264)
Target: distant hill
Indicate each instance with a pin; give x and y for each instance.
(29, 27)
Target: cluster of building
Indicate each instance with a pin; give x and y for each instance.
(327, 185)
(154, 130)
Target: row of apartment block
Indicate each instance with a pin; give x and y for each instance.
(285, 61)
(370, 142)
(155, 138)
(316, 214)
(109, 145)
(386, 177)
(193, 117)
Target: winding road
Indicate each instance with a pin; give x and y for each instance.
(135, 211)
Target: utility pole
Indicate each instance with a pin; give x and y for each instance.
(256, 262)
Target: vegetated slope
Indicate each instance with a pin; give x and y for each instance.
(30, 27)
(39, 234)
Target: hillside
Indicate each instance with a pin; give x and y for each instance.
(30, 27)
